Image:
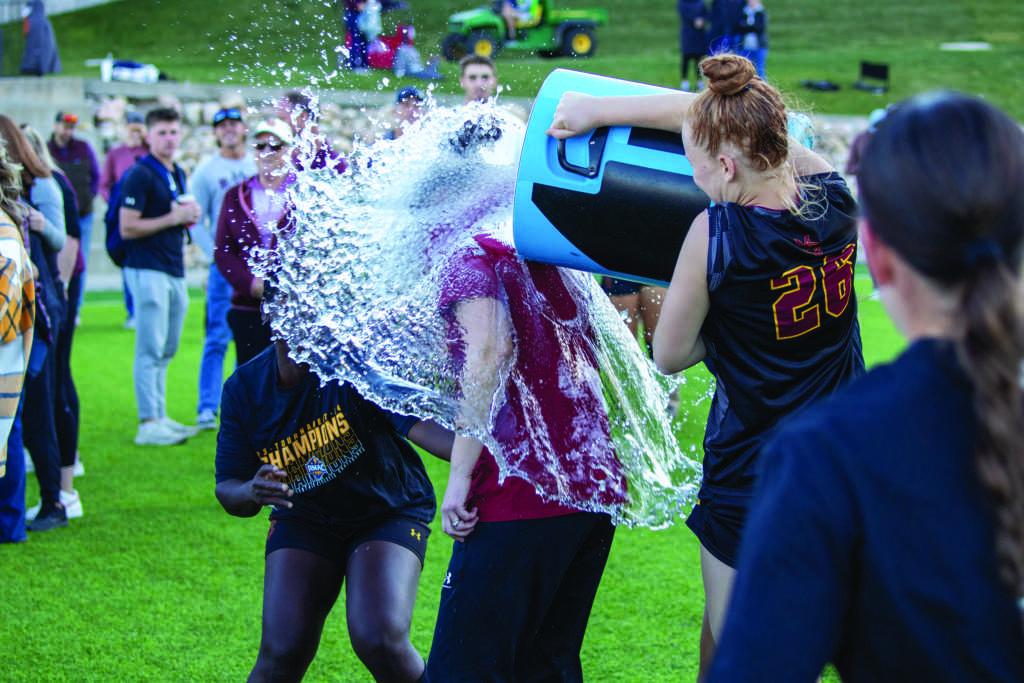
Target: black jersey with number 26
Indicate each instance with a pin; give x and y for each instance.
(782, 327)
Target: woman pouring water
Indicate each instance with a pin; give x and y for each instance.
(887, 534)
(762, 291)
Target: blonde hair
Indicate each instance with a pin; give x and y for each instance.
(10, 186)
(38, 146)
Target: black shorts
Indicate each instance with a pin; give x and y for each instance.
(718, 520)
(616, 287)
(336, 545)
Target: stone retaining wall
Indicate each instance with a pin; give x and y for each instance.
(347, 117)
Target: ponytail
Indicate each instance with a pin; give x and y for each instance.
(991, 349)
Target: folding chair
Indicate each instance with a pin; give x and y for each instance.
(874, 78)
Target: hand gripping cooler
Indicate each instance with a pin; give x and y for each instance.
(615, 202)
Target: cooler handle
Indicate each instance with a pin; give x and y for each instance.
(595, 148)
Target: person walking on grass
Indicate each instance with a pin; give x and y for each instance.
(154, 222)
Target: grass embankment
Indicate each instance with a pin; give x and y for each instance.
(291, 43)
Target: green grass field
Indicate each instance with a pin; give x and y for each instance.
(292, 43)
(157, 583)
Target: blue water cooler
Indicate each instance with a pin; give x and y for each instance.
(615, 202)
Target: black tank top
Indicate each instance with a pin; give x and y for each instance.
(782, 327)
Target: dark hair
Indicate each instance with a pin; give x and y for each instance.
(741, 109)
(162, 115)
(20, 152)
(941, 184)
(474, 58)
(299, 102)
(474, 134)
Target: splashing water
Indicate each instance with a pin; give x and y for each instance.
(360, 284)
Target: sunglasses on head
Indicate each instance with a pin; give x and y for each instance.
(225, 114)
(69, 118)
(272, 146)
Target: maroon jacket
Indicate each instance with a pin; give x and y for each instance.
(237, 233)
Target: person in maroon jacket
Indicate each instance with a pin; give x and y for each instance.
(252, 212)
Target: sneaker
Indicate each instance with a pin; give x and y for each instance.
(156, 433)
(51, 516)
(71, 502)
(178, 428)
(207, 420)
(685, 85)
(79, 468)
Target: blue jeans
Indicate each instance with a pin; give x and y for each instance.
(86, 222)
(161, 302)
(357, 56)
(129, 305)
(218, 336)
(12, 486)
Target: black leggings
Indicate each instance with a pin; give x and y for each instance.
(251, 334)
(695, 60)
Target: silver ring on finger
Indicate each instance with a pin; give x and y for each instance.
(455, 523)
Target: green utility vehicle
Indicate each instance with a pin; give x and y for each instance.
(551, 32)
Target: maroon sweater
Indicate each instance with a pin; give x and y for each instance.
(237, 233)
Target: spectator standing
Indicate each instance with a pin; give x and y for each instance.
(479, 81)
(117, 161)
(309, 150)
(122, 157)
(41, 56)
(252, 214)
(753, 35)
(356, 60)
(154, 224)
(479, 78)
(693, 39)
(725, 17)
(70, 267)
(210, 182)
(408, 108)
(78, 162)
(41, 193)
(17, 312)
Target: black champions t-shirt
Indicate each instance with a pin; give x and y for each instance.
(345, 457)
